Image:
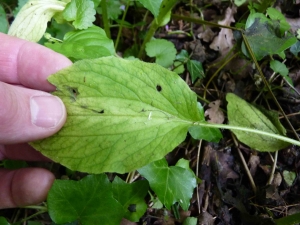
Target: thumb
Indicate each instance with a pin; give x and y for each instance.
(27, 115)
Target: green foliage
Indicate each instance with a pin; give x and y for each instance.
(281, 68)
(21, 3)
(114, 126)
(131, 197)
(209, 134)
(243, 114)
(32, 19)
(84, 44)
(3, 221)
(193, 66)
(81, 13)
(113, 9)
(164, 52)
(88, 201)
(178, 186)
(190, 221)
(264, 41)
(289, 220)
(295, 49)
(14, 164)
(152, 5)
(289, 177)
(3, 21)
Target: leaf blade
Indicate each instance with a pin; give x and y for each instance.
(241, 113)
(119, 116)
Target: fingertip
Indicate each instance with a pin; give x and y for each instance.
(26, 186)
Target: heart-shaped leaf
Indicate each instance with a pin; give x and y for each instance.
(88, 201)
(122, 115)
(178, 184)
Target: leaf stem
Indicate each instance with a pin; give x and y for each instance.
(105, 18)
(230, 127)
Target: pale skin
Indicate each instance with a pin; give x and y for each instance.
(27, 113)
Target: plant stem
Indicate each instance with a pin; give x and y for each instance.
(273, 169)
(200, 21)
(197, 173)
(165, 8)
(105, 18)
(245, 165)
(230, 127)
(121, 25)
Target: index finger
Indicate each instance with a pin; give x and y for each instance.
(28, 64)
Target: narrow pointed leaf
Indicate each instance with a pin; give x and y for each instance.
(243, 114)
(122, 115)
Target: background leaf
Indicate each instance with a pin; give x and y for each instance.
(196, 70)
(263, 40)
(164, 51)
(81, 12)
(178, 184)
(131, 197)
(84, 44)
(281, 68)
(3, 21)
(205, 133)
(152, 5)
(89, 201)
(113, 9)
(3, 221)
(32, 19)
(243, 114)
(119, 114)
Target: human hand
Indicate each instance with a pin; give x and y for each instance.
(27, 113)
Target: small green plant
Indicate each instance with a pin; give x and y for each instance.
(126, 115)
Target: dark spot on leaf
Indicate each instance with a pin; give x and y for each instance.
(163, 6)
(73, 92)
(84, 79)
(158, 88)
(132, 208)
(99, 111)
(143, 110)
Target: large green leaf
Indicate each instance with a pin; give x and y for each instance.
(121, 115)
(81, 13)
(88, 201)
(243, 114)
(177, 186)
(84, 44)
(131, 197)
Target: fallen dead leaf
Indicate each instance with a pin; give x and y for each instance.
(225, 39)
(253, 163)
(214, 112)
